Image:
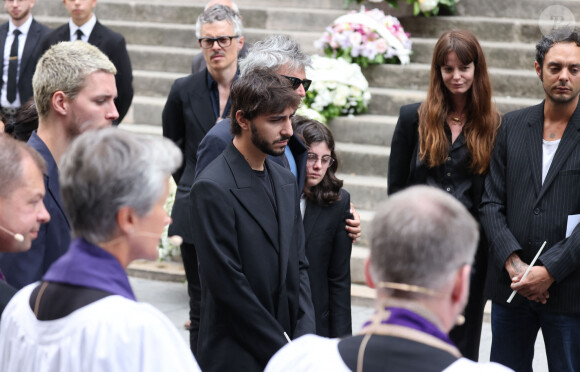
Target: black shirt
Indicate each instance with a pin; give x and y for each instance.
(455, 175)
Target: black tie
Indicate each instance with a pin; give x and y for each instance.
(13, 68)
(79, 34)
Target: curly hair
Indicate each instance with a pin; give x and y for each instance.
(312, 131)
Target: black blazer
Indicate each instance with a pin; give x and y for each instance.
(519, 213)
(30, 55)
(405, 168)
(220, 136)
(252, 264)
(328, 250)
(187, 117)
(113, 45)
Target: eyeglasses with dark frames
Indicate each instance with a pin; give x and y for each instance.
(223, 41)
(312, 158)
(296, 82)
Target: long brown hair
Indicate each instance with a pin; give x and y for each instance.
(482, 117)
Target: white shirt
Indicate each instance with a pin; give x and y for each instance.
(312, 353)
(87, 28)
(548, 150)
(7, 46)
(109, 335)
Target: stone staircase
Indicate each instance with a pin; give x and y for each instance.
(161, 42)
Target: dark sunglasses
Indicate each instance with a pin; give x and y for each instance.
(296, 82)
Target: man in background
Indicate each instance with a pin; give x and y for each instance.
(83, 25)
(74, 91)
(193, 106)
(20, 40)
(198, 61)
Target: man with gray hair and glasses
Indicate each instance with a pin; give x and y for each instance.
(74, 91)
(198, 61)
(422, 246)
(193, 106)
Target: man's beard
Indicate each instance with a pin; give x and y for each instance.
(263, 145)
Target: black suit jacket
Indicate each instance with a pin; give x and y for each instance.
(328, 250)
(519, 213)
(253, 268)
(113, 45)
(187, 117)
(220, 136)
(405, 168)
(30, 55)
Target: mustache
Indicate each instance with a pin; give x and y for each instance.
(218, 53)
(281, 139)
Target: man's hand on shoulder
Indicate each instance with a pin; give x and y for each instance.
(353, 225)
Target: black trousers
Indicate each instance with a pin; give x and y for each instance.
(467, 336)
(190, 264)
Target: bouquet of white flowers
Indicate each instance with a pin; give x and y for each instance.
(338, 88)
(425, 7)
(366, 37)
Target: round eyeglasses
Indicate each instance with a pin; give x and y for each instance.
(312, 158)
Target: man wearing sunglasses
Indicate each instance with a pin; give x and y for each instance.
(193, 106)
(281, 54)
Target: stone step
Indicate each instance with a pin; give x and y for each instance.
(510, 83)
(365, 191)
(505, 82)
(485, 28)
(364, 129)
(527, 9)
(160, 58)
(387, 101)
(362, 160)
(497, 54)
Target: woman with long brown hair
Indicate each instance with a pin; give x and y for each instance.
(446, 142)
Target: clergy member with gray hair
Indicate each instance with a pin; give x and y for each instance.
(422, 246)
(83, 315)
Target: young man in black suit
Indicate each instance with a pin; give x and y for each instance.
(249, 236)
(83, 25)
(20, 54)
(532, 198)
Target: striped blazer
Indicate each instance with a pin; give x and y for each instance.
(519, 213)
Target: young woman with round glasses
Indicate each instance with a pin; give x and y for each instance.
(325, 205)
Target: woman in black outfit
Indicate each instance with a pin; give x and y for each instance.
(325, 206)
(446, 142)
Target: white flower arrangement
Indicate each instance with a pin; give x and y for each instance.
(167, 249)
(424, 7)
(338, 88)
(366, 37)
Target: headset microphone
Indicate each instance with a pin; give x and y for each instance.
(17, 237)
